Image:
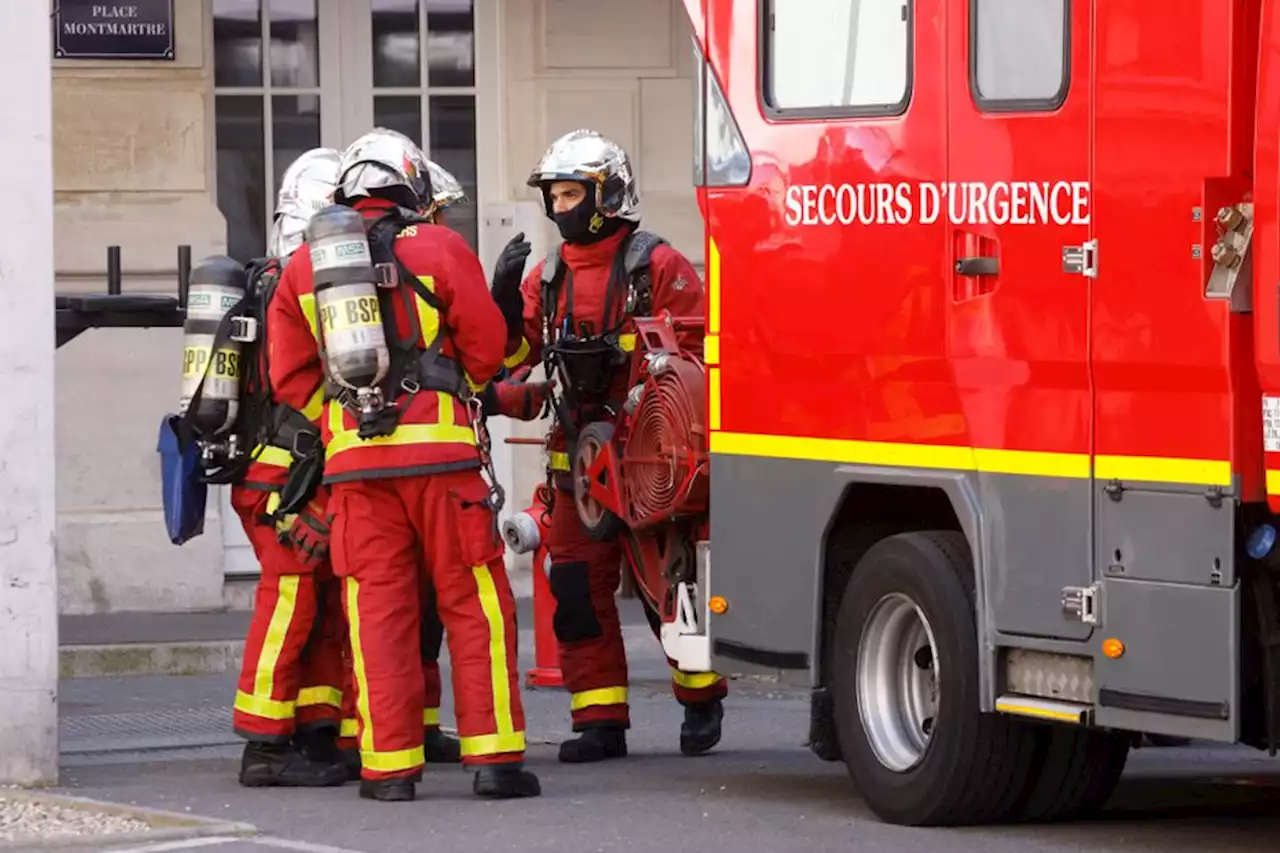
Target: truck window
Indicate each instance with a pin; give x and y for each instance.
(1018, 53)
(836, 57)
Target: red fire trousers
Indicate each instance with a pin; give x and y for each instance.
(387, 534)
(584, 580)
(292, 673)
(432, 637)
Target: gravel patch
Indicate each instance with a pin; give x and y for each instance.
(30, 820)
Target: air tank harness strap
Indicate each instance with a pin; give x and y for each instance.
(291, 430)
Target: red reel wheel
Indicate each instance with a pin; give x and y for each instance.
(602, 523)
(664, 461)
(659, 558)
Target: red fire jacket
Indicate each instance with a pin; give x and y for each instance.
(674, 287)
(434, 431)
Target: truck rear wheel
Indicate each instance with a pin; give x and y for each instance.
(1077, 770)
(905, 685)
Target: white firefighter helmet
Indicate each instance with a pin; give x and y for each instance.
(446, 190)
(388, 163)
(585, 155)
(306, 186)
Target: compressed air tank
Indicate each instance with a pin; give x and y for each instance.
(346, 289)
(217, 286)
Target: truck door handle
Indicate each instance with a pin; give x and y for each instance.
(977, 266)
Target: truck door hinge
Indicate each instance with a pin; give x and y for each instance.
(1114, 489)
(1081, 260)
(1080, 603)
(1214, 495)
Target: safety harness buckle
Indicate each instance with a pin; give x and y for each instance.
(304, 444)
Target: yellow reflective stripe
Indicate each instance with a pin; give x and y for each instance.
(309, 696)
(273, 644)
(694, 680)
(1150, 469)
(276, 456)
(428, 317)
(627, 342)
(492, 744)
(599, 696)
(1273, 482)
(559, 461)
(390, 762)
(307, 302)
(262, 707)
(498, 667)
(1069, 465)
(713, 401)
(984, 460)
(476, 387)
(444, 405)
(357, 666)
(344, 439)
(315, 406)
(348, 727)
(711, 349)
(431, 716)
(713, 286)
(517, 358)
(273, 502)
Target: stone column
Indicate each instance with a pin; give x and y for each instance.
(28, 572)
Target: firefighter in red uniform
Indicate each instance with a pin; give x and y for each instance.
(289, 692)
(439, 747)
(404, 465)
(579, 330)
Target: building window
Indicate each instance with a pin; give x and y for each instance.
(837, 57)
(267, 108)
(1019, 53)
(433, 103)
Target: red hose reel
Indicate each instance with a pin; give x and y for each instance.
(649, 466)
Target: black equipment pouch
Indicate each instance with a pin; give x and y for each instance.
(300, 486)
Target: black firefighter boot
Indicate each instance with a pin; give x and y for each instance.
(402, 790)
(285, 765)
(701, 729)
(595, 744)
(505, 782)
(439, 747)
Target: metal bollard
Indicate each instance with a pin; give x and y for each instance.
(114, 275)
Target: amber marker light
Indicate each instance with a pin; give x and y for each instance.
(1112, 647)
(718, 605)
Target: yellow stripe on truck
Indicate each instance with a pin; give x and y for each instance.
(1200, 472)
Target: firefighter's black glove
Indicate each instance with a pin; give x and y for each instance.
(507, 275)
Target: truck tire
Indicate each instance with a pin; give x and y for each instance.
(1077, 771)
(905, 684)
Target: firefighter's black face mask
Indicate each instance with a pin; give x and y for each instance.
(584, 225)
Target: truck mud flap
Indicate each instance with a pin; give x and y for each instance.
(1179, 670)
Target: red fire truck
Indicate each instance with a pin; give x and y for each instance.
(993, 327)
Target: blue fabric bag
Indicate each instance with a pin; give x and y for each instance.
(185, 490)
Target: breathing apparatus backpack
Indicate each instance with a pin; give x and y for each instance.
(226, 408)
(585, 361)
(371, 370)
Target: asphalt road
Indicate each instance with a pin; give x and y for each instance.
(165, 742)
(762, 790)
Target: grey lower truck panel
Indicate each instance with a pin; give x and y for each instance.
(1179, 674)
